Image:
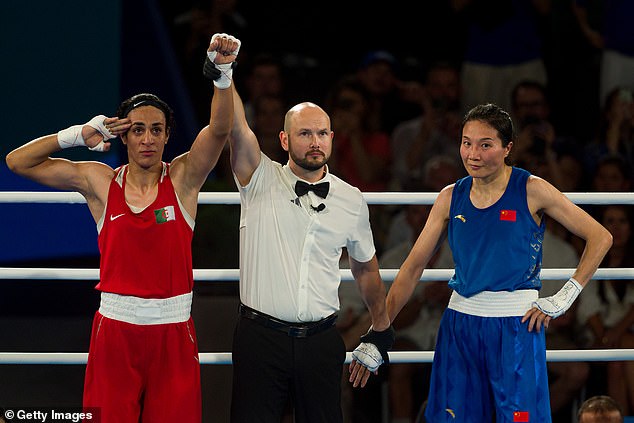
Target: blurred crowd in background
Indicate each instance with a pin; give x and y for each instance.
(396, 81)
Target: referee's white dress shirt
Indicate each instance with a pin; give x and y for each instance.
(289, 253)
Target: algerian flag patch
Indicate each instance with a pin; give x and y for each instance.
(165, 214)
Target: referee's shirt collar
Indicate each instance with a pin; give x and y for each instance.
(311, 202)
(292, 178)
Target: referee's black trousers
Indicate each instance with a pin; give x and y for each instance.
(270, 367)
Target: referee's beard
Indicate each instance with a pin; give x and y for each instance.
(310, 164)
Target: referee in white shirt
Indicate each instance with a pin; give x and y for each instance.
(286, 346)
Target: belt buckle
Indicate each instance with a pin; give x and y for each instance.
(298, 332)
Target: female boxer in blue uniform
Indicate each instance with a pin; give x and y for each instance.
(490, 357)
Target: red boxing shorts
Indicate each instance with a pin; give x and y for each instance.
(143, 373)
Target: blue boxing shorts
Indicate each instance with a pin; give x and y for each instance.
(487, 365)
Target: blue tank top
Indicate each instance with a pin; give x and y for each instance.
(498, 248)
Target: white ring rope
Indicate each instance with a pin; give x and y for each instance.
(51, 273)
(385, 198)
(371, 197)
(395, 357)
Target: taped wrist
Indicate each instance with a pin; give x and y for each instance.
(382, 340)
(226, 73)
(557, 304)
(209, 70)
(71, 137)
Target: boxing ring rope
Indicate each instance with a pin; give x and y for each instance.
(385, 198)
(395, 357)
(232, 274)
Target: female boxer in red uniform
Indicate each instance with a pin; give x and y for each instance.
(143, 358)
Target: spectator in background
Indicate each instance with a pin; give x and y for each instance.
(361, 153)
(600, 409)
(195, 22)
(435, 131)
(539, 147)
(541, 150)
(616, 131)
(613, 37)
(264, 77)
(571, 179)
(529, 108)
(606, 307)
(570, 164)
(504, 46)
(378, 73)
(612, 174)
(190, 26)
(439, 172)
(268, 121)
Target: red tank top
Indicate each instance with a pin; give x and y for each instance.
(146, 254)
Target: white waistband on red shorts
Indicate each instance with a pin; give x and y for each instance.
(494, 304)
(146, 311)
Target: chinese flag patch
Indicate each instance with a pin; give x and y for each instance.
(520, 416)
(509, 216)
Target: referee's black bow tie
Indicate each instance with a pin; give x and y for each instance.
(302, 188)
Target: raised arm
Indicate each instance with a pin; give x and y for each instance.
(190, 170)
(245, 148)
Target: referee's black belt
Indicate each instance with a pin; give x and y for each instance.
(295, 330)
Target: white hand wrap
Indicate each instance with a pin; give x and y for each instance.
(557, 304)
(71, 136)
(226, 73)
(226, 69)
(368, 356)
